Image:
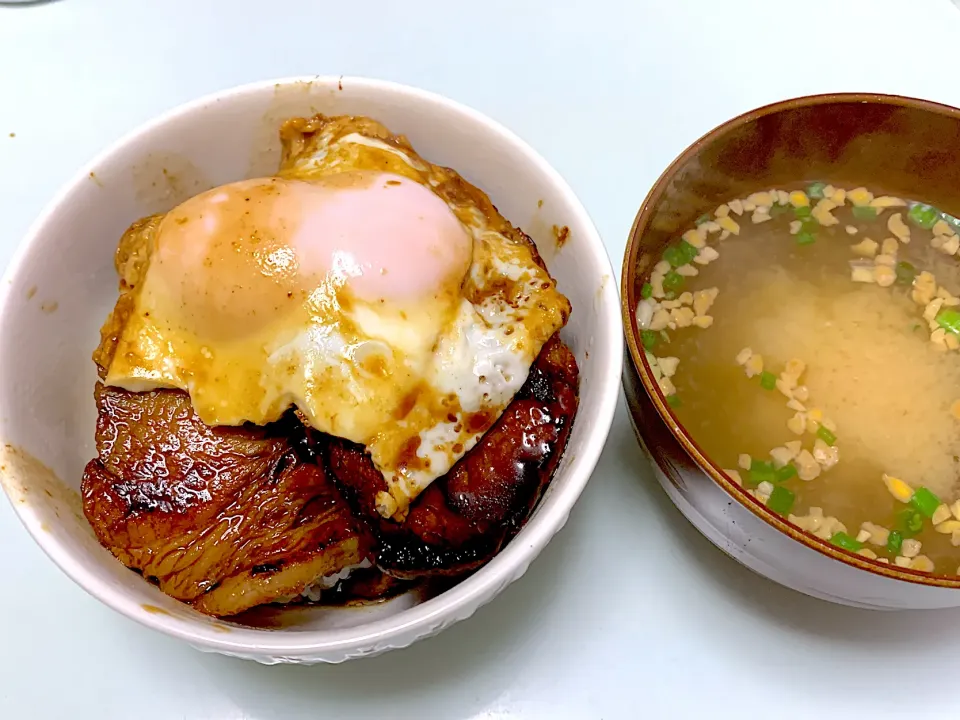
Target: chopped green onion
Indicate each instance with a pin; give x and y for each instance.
(864, 212)
(674, 255)
(803, 212)
(674, 401)
(842, 540)
(826, 435)
(909, 522)
(646, 291)
(805, 238)
(894, 542)
(815, 190)
(680, 254)
(689, 252)
(809, 225)
(768, 381)
(781, 500)
(949, 320)
(786, 472)
(672, 281)
(761, 471)
(669, 295)
(905, 273)
(924, 216)
(925, 501)
(702, 219)
(648, 338)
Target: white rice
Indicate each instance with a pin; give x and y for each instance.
(314, 591)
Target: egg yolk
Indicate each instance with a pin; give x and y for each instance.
(230, 259)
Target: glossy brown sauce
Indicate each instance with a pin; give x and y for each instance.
(154, 610)
(561, 235)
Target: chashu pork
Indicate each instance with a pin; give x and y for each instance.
(223, 518)
(464, 518)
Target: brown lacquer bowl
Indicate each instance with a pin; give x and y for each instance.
(901, 146)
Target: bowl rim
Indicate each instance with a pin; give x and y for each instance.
(454, 604)
(628, 302)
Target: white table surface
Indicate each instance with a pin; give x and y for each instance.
(629, 612)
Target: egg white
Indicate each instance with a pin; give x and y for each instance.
(460, 378)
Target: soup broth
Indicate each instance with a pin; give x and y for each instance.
(811, 348)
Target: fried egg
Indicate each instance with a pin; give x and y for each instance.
(383, 297)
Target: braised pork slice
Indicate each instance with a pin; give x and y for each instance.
(464, 518)
(224, 518)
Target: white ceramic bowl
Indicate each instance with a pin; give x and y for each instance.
(61, 285)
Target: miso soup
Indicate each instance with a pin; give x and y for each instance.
(808, 340)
